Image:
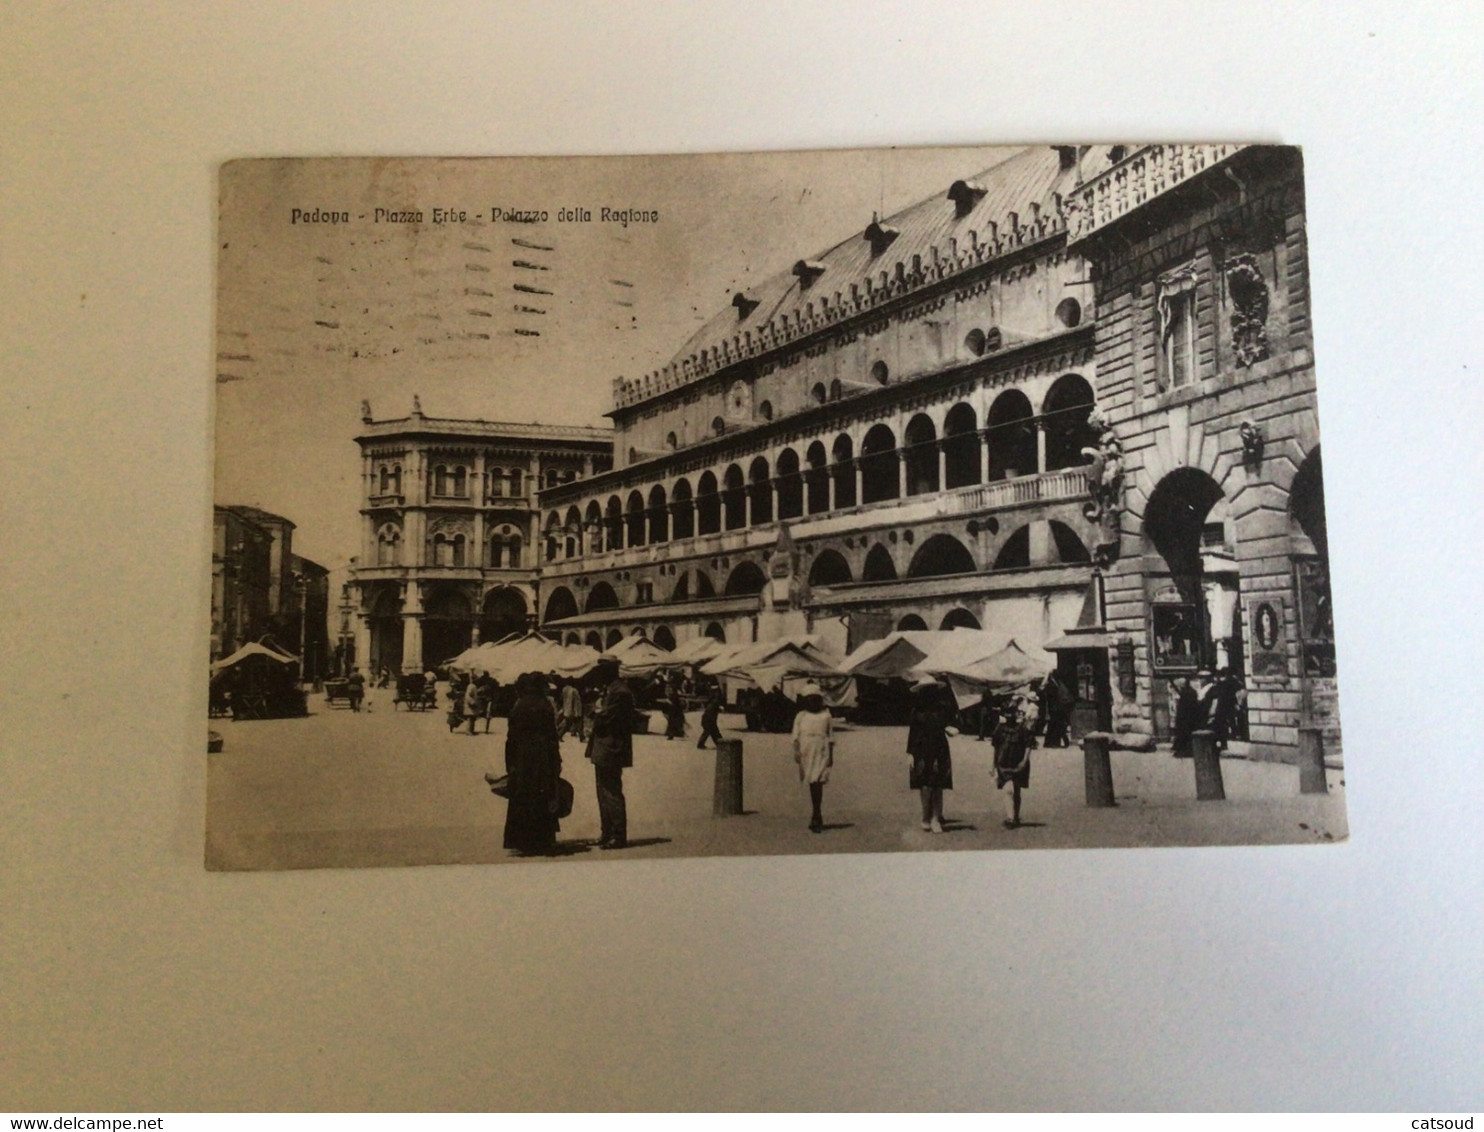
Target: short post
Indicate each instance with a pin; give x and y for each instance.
(1098, 769)
(1311, 761)
(1208, 784)
(727, 801)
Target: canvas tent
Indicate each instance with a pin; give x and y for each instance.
(638, 656)
(252, 649)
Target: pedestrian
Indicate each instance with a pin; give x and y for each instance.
(476, 701)
(458, 688)
(814, 749)
(674, 709)
(1012, 759)
(571, 721)
(1187, 718)
(927, 744)
(355, 688)
(710, 716)
(1205, 695)
(1059, 702)
(610, 747)
(533, 767)
(1041, 691)
(1224, 708)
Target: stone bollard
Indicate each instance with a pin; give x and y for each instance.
(1311, 761)
(727, 801)
(1098, 770)
(1208, 784)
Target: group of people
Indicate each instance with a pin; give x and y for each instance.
(1212, 703)
(533, 758)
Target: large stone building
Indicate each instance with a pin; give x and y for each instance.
(889, 433)
(1206, 375)
(261, 589)
(449, 526)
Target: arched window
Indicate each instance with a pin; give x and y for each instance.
(922, 455)
(672, 442)
(830, 569)
(441, 480)
(1015, 554)
(790, 485)
(879, 566)
(389, 546)
(817, 479)
(592, 520)
(879, 373)
(843, 469)
(614, 637)
(504, 613)
(715, 632)
(974, 342)
(837, 390)
(683, 511)
(818, 394)
(659, 515)
(959, 619)
(911, 622)
(734, 502)
(708, 505)
(765, 410)
(552, 538)
(961, 447)
(517, 483)
(601, 596)
(760, 488)
(448, 550)
(939, 555)
(496, 477)
(593, 640)
(664, 638)
(746, 578)
(1065, 414)
(1069, 548)
(613, 521)
(635, 517)
(718, 426)
(1012, 436)
(879, 476)
(385, 485)
(460, 482)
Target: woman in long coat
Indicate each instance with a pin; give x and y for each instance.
(814, 750)
(927, 743)
(533, 762)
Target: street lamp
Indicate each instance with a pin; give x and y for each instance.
(301, 588)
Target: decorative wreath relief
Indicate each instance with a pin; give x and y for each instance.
(1249, 292)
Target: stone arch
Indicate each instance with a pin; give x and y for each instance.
(910, 623)
(830, 569)
(601, 596)
(682, 508)
(962, 462)
(448, 624)
(746, 578)
(1064, 414)
(659, 515)
(760, 490)
(664, 636)
(734, 499)
(708, 504)
(817, 478)
(939, 555)
(1175, 522)
(818, 394)
(921, 452)
(1011, 431)
(842, 468)
(714, 630)
(615, 636)
(389, 545)
(635, 534)
(560, 605)
(503, 612)
(879, 566)
(613, 523)
(880, 479)
(1069, 546)
(959, 618)
(790, 485)
(593, 521)
(593, 640)
(1015, 551)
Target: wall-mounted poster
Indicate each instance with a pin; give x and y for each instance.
(1269, 654)
(603, 470)
(1177, 634)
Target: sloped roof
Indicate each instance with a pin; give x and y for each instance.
(1029, 184)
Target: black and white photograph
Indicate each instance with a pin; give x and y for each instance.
(850, 501)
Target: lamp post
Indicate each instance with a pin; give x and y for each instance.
(301, 588)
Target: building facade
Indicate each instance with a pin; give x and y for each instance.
(1215, 495)
(241, 556)
(894, 432)
(449, 530)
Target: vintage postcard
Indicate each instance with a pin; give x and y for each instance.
(836, 502)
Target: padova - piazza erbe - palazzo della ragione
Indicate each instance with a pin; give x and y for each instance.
(1069, 400)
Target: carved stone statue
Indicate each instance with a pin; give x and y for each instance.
(417, 406)
(1105, 491)
(365, 412)
(1249, 295)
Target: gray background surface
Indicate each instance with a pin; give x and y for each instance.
(1328, 977)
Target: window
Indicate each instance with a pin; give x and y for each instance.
(497, 483)
(644, 593)
(1177, 327)
(764, 410)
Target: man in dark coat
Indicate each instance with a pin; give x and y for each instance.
(1187, 717)
(611, 748)
(533, 766)
(710, 718)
